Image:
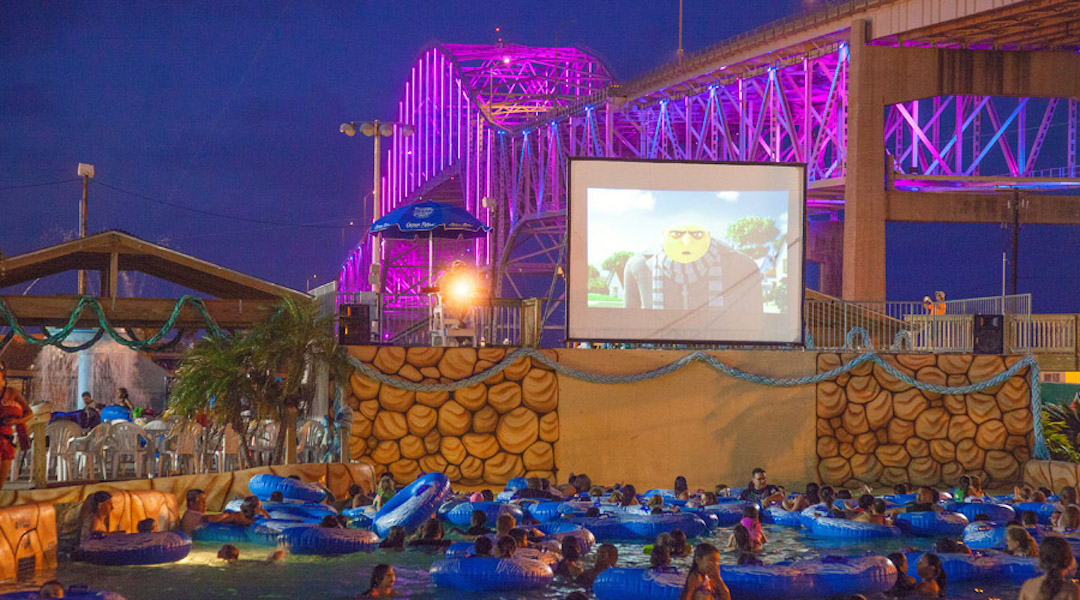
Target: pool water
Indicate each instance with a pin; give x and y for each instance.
(201, 576)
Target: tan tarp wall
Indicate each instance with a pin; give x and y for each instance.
(27, 531)
(696, 422)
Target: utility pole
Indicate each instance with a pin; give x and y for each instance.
(679, 52)
(86, 172)
(1015, 249)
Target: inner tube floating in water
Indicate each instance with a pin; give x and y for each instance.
(986, 535)
(135, 548)
(558, 530)
(267, 531)
(69, 594)
(818, 578)
(543, 511)
(413, 505)
(326, 541)
(491, 574)
(264, 484)
(638, 584)
(288, 511)
(460, 513)
(855, 530)
(775, 515)
(996, 512)
(361, 516)
(641, 527)
(727, 513)
(220, 532)
(985, 567)
(932, 524)
(1042, 509)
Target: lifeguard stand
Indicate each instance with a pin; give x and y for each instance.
(447, 330)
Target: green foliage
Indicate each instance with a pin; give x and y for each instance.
(265, 370)
(754, 236)
(777, 294)
(593, 272)
(616, 263)
(1061, 429)
(598, 286)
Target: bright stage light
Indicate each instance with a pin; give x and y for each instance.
(461, 290)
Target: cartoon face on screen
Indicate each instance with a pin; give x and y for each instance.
(686, 243)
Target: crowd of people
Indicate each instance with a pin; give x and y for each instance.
(703, 580)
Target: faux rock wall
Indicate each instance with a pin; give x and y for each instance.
(487, 433)
(876, 429)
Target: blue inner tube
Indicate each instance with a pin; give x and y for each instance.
(517, 483)
(665, 494)
(986, 535)
(543, 511)
(68, 595)
(627, 527)
(557, 530)
(413, 505)
(288, 511)
(135, 548)
(264, 484)
(638, 584)
(460, 513)
(819, 578)
(900, 499)
(267, 531)
(775, 515)
(359, 516)
(727, 514)
(811, 514)
(996, 512)
(987, 567)
(115, 412)
(328, 541)
(490, 574)
(932, 524)
(855, 530)
(220, 532)
(1042, 509)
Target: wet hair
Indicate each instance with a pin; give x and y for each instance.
(146, 526)
(664, 539)
(592, 511)
(900, 561)
(505, 522)
(629, 494)
(750, 511)
(354, 490)
(742, 538)
(656, 501)
(99, 498)
(487, 495)
(520, 537)
(951, 546)
(660, 557)
(940, 578)
(478, 518)
(505, 547)
(1055, 557)
(813, 492)
(678, 542)
(680, 484)
(900, 488)
(700, 552)
(827, 495)
(192, 495)
(606, 557)
(1029, 518)
(432, 530)
(879, 506)
(570, 548)
(1023, 539)
(377, 575)
(1067, 495)
(228, 552)
(844, 494)
(482, 546)
(277, 497)
(248, 506)
(395, 538)
(866, 501)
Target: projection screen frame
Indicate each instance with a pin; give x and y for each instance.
(800, 343)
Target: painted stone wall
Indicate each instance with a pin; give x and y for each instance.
(487, 433)
(874, 428)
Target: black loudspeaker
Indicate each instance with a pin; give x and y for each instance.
(354, 324)
(989, 332)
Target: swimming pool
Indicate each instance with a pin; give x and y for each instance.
(201, 576)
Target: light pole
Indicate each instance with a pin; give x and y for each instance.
(378, 130)
(87, 173)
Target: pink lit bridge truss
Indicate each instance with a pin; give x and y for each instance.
(495, 126)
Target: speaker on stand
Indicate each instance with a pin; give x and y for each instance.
(989, 334)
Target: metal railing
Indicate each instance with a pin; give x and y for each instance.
(1049, 334)
(498, 322)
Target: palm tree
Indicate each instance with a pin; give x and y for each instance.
(269, 371)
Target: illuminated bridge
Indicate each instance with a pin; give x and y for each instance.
(903, 110)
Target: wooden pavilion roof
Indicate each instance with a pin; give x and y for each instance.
(235, 300)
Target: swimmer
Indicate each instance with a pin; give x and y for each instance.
(1018, 542)
(505, 547)
(146, 526)
(606, 557)
(503, 524)
(753, 525)
(679, 547)
(51, 589)
(743, 545)
(704, 582)
(277, 556)
(571, 554)
(195, 516)
(932, 578)
(277, 497)
(1055, 558)
(97, 514)
(1069, 521)
(229, 553)
(384, 491)
(629, 496)
(905, 584)
(482, 547)
(660, 559)
(476, 524)
(760, 491)
(395, 539)
(431, 535)
(382, 582)
(681, 491)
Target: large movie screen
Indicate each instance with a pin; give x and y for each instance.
(664, 251)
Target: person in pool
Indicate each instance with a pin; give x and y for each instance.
(660, 560)
(382, 582)
(482, 547)
(51, 589)
(741, 537)
(195, 516)
(681, 491)
(606, 557)
(703, 582)
(229, 553)
(431, 535)
(1018, 542)
(1055, 558)
(505, 547)
(760, 490)
(395, 539)
(97, 514)
(384, 491)
(932, 580)
(476, 524)
(571, 553)
(905, 584)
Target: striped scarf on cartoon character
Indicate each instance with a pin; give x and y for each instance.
(685, 274)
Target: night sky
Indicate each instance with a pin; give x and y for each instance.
(234, 110)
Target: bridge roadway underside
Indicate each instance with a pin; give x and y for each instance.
(880, 76)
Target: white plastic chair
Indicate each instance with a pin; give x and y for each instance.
(90, 452)
(311, 440)
(21, 456)
(61, 437)
(181, 448)
(264, 440)
(228, 449)
(127, 442)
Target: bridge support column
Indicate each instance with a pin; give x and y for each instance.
(864, 193)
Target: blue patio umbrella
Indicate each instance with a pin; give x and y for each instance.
(435, 219)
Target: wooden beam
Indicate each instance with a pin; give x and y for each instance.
(936, 207)
(138, 312)
(114, 276)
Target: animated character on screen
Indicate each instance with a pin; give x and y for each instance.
(693, 270)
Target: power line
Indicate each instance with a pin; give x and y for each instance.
(34, 185)
(215, 214)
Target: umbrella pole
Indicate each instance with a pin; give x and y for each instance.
(430, 260)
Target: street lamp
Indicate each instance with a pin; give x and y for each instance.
(378, 130)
